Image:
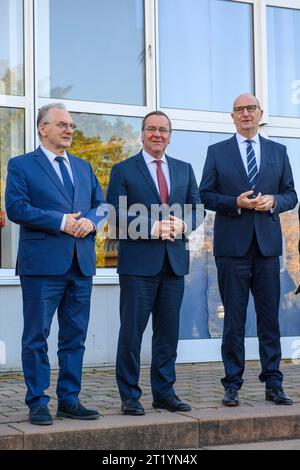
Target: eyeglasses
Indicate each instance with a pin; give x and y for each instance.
(63, 125)
(161, 130)
(251, 108)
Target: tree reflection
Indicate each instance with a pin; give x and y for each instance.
(103, 144)
(11, 79)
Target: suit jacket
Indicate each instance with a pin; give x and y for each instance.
(131, 178)
(36, 199)
(224, 178)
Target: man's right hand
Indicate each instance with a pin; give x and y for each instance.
(163, 229)
(244, 200)
(71, 224)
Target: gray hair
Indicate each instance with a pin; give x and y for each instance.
(156, 113)
(43, 111)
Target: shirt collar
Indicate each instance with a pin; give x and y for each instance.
(51, 156)
(149, 159)
(240, 138)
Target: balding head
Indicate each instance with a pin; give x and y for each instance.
(246, 115)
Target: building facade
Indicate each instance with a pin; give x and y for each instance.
(111, 62)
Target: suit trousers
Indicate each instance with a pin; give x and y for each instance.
(237, 276)
(140, 295)
(70, 294)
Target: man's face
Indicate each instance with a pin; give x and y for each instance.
(56, 133)
(246, 120)
(156, 135)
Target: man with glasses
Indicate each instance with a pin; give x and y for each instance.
(55, 198)
(247, 180)
(152, 261)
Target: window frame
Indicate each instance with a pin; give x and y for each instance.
(202, 121)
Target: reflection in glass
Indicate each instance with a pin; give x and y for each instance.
(202, 311)
(104, 141)
(11, 47)
(11, 144)
(289, 274)
(91, 52)
(283, 28)
(205, 53)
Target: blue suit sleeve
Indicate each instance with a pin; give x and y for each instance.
(210, 197)
(194, 214)
(99, 210)
(18, 204)
(286, 199)
(121, 217)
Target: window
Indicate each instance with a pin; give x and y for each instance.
(284, 61)
(91, 52)
(205, 53)
(11, 47)
(202, 311)
(289, 273)
(11, 144)
(105, 141)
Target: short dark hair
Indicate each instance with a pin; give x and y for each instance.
(156, 113)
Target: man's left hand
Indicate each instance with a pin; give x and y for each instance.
(178, 226)
(266, 203)
(85, 227)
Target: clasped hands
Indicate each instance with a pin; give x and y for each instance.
(78, 228)
(261, 203)
(168, 229)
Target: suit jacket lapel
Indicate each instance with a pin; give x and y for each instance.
(142, 166)
(76, 173)
(48, 168)
(236, 158)
(264, 157)
(173, 176)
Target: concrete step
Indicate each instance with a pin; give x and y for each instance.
(293, 444)
(159, 430)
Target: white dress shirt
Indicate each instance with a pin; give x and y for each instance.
(152, 167)
(242, 143)
(51, 157)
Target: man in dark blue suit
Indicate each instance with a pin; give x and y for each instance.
(153, 260)
(247, 180)
(56, 199)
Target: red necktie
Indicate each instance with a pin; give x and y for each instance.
(162, 183)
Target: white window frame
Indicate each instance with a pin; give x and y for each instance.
(202, 121)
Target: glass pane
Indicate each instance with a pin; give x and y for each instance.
(91, 51)
(205, 53)
(284, 61)
(11, 144)
(105, 141)
(289, 274)
(11, 47)
(202, 311)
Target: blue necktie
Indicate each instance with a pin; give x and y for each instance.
(251, 164)
(66, 177)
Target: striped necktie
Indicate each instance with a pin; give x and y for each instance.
(251, 164)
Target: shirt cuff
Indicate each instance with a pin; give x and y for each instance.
(63, 223)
